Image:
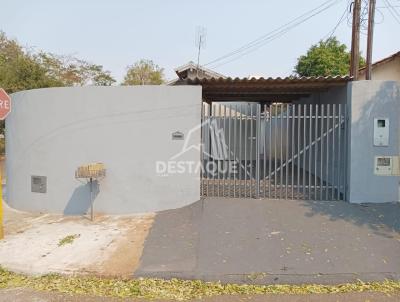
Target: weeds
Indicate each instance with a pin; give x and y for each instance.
(176, 289)
(68, 239)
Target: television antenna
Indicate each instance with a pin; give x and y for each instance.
(200, 43)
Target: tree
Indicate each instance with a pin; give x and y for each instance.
(144, 72)
(99, 77)
(74, 72)
(21, 69)
(327, 58)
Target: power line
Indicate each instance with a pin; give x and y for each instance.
(269, 36)
(330, 33)
(257, 43)
(387, 6)
(393, 11)
(364, 17)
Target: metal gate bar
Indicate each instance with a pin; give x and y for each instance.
(284, 151)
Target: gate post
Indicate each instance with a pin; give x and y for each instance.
(258, 134)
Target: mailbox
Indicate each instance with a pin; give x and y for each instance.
(91, 172)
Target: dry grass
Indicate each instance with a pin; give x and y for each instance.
(175, 289)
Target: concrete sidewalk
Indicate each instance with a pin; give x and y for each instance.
(274, 241)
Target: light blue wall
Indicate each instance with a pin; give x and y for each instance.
(369, 100)
(50, 132)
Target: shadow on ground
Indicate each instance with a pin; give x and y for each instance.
(274, 241)
(382, 219)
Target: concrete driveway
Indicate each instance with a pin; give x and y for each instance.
(274, 241)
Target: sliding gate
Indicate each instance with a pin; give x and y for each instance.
(280, 151)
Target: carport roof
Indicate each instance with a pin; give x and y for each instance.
(264, 89)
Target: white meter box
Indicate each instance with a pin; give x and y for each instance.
(381, 132)
(387, 166)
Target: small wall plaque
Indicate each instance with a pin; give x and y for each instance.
(38, 184)
(177, 135)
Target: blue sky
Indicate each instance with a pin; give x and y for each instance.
(119, 32)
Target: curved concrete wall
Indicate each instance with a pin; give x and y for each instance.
(50, 132)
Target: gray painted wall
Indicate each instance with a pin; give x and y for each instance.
(50, 132)
(334, 95)
(369, 100)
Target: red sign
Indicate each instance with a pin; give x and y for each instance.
(5, 104)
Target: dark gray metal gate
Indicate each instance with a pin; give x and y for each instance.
(280, 151)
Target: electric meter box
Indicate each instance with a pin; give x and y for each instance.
(381, 132)
(387, 166)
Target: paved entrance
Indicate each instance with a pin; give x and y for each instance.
(274, 241)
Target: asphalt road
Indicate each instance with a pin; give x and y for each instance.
(25, 295)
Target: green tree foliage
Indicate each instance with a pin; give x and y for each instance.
(74, 72)
(21, 69)
(144, 72)
(327, 58)
(100, 77)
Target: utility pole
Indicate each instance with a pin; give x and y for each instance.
(370, 38)
(355, 40)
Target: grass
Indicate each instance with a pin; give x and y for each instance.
(68, 239)
(175, 289)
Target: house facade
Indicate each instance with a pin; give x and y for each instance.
(387, 69)
(316, 138)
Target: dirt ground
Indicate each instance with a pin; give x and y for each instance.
(128, 248)
(22, 295)
(109, 246)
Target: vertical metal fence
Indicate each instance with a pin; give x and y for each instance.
(279, 151)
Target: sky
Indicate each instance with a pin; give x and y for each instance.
(117, 33)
